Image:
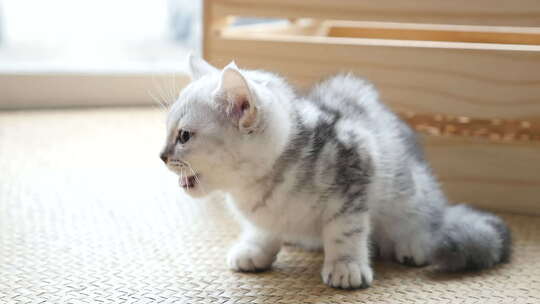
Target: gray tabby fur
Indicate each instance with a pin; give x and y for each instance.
(333, 169)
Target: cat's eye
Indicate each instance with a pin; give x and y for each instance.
(184, 136)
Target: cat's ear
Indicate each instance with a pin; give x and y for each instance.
(240, 104)
(198, 67)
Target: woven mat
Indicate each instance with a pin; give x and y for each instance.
(89, 215)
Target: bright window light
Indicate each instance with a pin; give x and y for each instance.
(97, 35)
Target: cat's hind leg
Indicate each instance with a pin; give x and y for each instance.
(406, 233)
(413, 248)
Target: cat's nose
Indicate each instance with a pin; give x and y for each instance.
(163, 157)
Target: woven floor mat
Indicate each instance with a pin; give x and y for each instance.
(88, 214)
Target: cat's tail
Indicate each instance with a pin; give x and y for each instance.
(471, 240)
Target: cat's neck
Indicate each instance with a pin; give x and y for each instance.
(264, 168)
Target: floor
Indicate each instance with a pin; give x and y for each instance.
(88, 214)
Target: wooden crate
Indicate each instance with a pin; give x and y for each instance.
(465, 74)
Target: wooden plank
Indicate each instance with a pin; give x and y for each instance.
(388, 30)
(21, 91)
(479, 12)
(433, 32)
(490, 175)
(207, 22)
(227, 33)
(479, 80)
(498, 176)
(482, 83)
(302, 27)
(212, 23)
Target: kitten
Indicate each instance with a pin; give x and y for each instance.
(332, 169)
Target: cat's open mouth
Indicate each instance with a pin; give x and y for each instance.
(188, 182)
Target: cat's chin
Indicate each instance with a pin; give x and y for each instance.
(189, 182)
(195, 193)
(192, 185)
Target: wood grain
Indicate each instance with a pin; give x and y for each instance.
(484, 12)
(433, 32)
(20, 91)
(478, 82)
(499, 176)
(481, 72)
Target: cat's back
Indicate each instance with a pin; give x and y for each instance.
(350, 106)
(346, 95)
(347, 102)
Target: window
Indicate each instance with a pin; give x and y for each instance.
(81, 52)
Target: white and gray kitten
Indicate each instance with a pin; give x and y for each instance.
(334, 169)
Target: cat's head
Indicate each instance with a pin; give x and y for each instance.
(226, 128)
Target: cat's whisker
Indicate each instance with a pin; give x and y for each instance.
(159, 99)
(156, 100)
(176, 87)
(162, 93)
(173, 88)
(182, 177)
(164, 96)
(173, 91)
(198, 181)
(166, 88)
(195, 176)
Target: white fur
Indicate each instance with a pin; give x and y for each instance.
(237, 165)
(226, 157)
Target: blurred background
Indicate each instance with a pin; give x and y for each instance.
(97, 36)
(65, 53)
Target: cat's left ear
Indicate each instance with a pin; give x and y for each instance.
(240, 103)
(198, 67)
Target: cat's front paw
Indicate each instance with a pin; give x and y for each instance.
(249, 257)
(347, 273)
